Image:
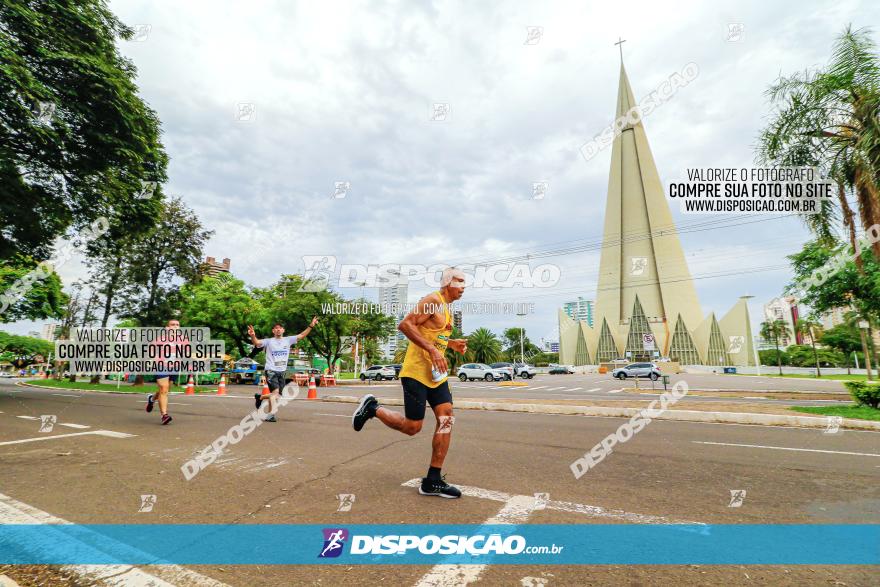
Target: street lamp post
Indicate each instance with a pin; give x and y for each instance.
(522, 354)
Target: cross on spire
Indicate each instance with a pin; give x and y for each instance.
(619, 44)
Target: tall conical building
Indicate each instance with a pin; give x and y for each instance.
(645, 286)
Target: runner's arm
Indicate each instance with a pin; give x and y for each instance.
(254, 340)
(308, 329)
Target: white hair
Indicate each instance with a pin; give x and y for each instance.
(448, 274)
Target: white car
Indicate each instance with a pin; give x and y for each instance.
(379, 373)
(472, 371)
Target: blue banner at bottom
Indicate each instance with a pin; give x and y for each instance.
(533, 544)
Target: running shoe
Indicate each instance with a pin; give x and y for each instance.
(149, 403)
(165, 419)
(439, 487)
(365, 410)
(270, 418)
(258, 400)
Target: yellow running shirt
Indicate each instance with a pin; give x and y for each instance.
(417, 363)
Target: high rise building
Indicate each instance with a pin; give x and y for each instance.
(456, 319)
(392, 301)
(212, 268)
(645, 286)
(49, 331)
(580, 309)
(787, 309)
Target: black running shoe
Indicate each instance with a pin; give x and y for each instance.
(165, 419)
(365, 410)
(439, 487)
(258, 400)
(149, 403)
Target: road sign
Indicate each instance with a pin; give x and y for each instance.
(648, 341)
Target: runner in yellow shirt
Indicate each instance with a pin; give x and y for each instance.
(424, 378)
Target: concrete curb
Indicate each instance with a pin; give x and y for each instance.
(23, 384)
(680, 415)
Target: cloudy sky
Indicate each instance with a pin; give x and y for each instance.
(344, 91)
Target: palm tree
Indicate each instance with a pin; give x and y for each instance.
(774, 329)
(807, 327)
(400, 353)
(828, 119)
(483, 346)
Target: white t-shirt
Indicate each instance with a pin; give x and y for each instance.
(277, 352)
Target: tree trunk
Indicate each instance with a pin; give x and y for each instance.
(778, 355)
(849, 222)
(138, 381)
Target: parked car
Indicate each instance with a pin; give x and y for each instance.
(524, 370)
(472, 371)
(560, 370)
(397, 368)
(638, 370)
(379, 373)
(507, 367)
(5, 374)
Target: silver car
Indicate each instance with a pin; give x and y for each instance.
(472, 371)
(638, 370)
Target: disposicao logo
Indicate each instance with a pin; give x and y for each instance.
(334, 541)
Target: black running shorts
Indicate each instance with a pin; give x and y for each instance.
(416, 393)
(275, 379)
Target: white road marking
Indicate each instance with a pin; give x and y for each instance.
(574, 389)
(81, 426)
(108, 433)
(516, 510)
(833, 452)
(28, 417)
(336, 415)
(538, 387)
(66, 394)
(16, 512)
(595, 389)
(614, 390)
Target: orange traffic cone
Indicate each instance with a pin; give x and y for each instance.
(190, 386)
(313, 391)
(266, 392)
(221, 389)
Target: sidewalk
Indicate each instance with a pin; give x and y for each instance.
(757, 414)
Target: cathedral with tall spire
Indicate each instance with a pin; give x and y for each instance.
(645, 290)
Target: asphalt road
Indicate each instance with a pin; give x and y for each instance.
(608, 389)
(292, 472)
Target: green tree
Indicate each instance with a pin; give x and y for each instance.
(483, 346)
(838, 288)
(774, 330)
(400, 353)
(768, 357)
(511, 341)
(169, 252)
(329, 339)
(24, 346)
(226, 306)
(828, 119)
(844, 338)
(29, 293)
(810, 328)
(76, 140)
